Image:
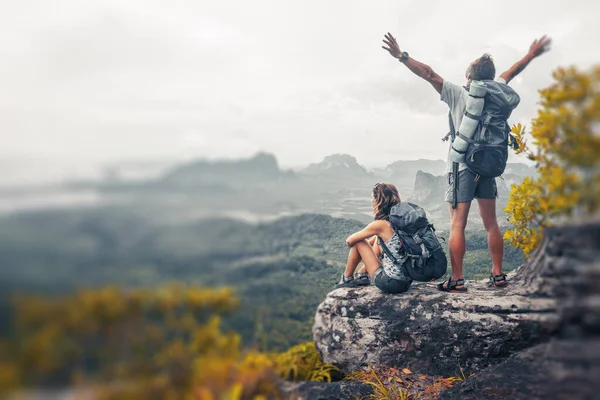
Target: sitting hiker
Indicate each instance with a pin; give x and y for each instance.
(387, 276)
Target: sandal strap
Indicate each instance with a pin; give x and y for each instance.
(453, 284)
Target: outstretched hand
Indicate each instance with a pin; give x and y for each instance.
(540, 46)
(392, 46)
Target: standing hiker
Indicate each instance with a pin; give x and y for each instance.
(472, 171)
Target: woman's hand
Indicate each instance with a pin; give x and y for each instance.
(349, 242)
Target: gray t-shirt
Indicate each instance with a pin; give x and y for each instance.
(456, 98)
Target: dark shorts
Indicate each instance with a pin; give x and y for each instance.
(390, 285)
(471, 186)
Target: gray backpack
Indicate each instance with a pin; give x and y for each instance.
(487, 151)
(421, 255)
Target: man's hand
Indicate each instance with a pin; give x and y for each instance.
(392, 46)
(537, 48)
(540, 46)
(417, 68)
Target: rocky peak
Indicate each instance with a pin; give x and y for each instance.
(337, 163)
(428, 188)
(262, 167)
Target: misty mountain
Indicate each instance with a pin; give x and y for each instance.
(260, 170)
(257, 188)
(402, 173)
(336, 166)
(402, 168)
(429, 189)
(519, 169)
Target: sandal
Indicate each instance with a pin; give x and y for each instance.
(452, 286)
(498, 281)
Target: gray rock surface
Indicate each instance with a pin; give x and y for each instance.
(559, 370)
(429, 331)
(567, 268)
(325, 391)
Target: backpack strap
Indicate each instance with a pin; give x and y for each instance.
(424, 251)
(454, 185)
(452, 135)
(452, 132)
(484, 127)
(466, 139)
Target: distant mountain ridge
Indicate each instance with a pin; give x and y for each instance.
(434, 167)
(261, 168)
(261, 175)
(343, 165)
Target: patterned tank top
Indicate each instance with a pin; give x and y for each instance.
(392, 270)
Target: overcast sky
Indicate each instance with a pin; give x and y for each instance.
(89, 82)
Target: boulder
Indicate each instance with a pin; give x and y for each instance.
(428, 331)
(325, 391)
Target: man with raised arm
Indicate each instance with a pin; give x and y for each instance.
(470, 186)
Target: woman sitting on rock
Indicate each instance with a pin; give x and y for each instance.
(364, 247)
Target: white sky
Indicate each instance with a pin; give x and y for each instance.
(89, 82)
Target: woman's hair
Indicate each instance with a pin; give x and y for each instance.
(385, 195)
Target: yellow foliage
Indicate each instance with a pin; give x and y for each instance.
(303, 363)
(566, 150)
(145, 344)
(9, 375)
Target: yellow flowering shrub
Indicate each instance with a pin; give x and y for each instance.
(566, 149)
(164, 343)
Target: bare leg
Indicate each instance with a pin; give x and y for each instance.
(353, 261)
(458, 223)
(376, 249)
(487, 210)
(362, 251)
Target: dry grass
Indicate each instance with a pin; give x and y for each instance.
(403, 384)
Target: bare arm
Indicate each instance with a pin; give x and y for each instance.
(537, 48)
(422, 70)
(374, 228)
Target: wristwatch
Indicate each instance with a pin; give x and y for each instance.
(404, 57)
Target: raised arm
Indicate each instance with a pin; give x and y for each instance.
(537, 48)
(418, 68)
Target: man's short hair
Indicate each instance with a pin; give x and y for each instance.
(482, 69)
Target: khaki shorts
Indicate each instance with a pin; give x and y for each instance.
(471, 186)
